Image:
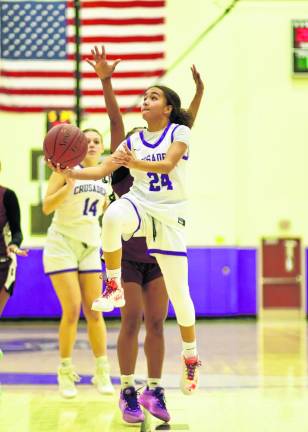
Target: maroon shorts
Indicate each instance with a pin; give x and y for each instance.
(140, 273)
(5, 263)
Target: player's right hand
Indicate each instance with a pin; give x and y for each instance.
(57, 168)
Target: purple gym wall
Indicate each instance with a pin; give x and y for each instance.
(222, 283)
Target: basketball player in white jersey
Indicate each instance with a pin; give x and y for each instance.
(72, 260)
(155, 208)
(142, 280)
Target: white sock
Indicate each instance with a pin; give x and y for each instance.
(101, 361)
(127, 381)
(153, 382)
(66, 361)
(189, 349)
(114, 274)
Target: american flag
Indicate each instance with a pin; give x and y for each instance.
(37, 61)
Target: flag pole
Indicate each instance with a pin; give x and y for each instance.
(77, 62)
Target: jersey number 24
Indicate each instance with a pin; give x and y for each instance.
(158, 181)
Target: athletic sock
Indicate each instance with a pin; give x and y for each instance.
(66, 361)
(127, 381)
(101, 361)
(189, 349)
(114, 274)
(153, 382)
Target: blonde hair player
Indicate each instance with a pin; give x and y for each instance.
(155, 207)
(72, 261)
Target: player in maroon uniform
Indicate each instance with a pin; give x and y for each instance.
(10, 241)
(142, 280)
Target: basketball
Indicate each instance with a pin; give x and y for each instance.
(66, 145)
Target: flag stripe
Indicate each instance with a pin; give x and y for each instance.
(38, 109)
(66, 92)
(69, 65)
(101, 12)
(118, 22)
(117, 39)
(127, 57)
(120, 4)
(47, 84)
(68, 74)
(88, 101)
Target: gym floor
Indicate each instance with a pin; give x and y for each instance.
(253, 378)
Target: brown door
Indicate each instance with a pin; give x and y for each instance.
(281, 273)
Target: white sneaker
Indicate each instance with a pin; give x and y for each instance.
(66, 379)
(190, 375)
(112, 297)
(102, 380)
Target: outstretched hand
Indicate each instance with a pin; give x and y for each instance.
(197, 78)
(102, 68)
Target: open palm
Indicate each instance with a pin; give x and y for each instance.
(100, 65)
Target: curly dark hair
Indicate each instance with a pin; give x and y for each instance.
(178, 114)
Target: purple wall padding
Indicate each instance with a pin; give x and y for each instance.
(222, 282)
(306, 272)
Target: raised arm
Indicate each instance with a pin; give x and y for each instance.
(104, 71)
(195, 103)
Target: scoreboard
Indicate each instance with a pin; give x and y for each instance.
(300, 47)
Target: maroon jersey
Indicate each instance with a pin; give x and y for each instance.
(9, 213)
(136, 248)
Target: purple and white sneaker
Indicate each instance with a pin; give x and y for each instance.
(154, 401)
(129, 405)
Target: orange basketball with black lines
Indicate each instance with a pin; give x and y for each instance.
(65, 144)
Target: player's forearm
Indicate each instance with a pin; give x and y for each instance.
(195, 105)
(161, 167)
(95, 173)
(114, 114)
(52, 201)
(112, 106)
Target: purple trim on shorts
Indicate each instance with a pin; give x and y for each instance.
(172, 133)
(61, 271)
(90, 271)
(128, 142)
(165, 252)
(147, 144)
(138, 215)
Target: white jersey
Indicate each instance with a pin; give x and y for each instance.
(163, 196)
(77, 216)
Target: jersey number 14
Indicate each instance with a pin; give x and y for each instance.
(90, 208)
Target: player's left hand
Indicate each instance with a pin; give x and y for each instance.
(12, 248)
(99, 63)
(124, 157)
